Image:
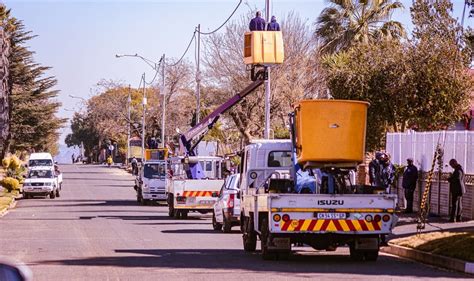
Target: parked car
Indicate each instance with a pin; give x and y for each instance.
(227, 208)
(41, 181)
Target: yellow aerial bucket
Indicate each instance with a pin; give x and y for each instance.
(263, 47)
(330, 132)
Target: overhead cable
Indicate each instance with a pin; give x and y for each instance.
(187, 49)
(217, 29)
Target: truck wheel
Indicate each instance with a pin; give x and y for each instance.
(176, 214)
(184, 214)
(57, 193)
(26, 195)
(356, 255)
(265, 240)
(371, 255)
(215, 225)
(170, 205)
(227, 225)
(52, 195)
(249, 237)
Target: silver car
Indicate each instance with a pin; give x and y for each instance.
(226, 211)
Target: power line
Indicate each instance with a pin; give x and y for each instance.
(215, 30)
(187, 49)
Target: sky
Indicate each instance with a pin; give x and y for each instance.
(79, 39)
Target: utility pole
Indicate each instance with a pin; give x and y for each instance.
(129, 100)
(198, 75)
(144, 102)
(267, 82)
(163, 89)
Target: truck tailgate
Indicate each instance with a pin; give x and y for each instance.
(340, 213)
(196, 194)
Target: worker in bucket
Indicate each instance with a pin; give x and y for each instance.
(257, 23)
(273, 25)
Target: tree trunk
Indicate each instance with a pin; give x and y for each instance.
(5, 90)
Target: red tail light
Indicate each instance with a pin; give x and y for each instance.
(377, 218)
(286, 217)
(386, 218)
(230, 202)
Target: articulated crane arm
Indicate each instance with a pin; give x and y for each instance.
(186, 139)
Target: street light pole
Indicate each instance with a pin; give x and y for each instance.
(129, 100)
(144, 102)
(163, 89)
(198, 75)
(267, 83)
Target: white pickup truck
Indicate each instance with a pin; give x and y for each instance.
(281, 217)
(41, 181)
(186, 195)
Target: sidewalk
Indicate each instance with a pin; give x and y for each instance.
(407, 226)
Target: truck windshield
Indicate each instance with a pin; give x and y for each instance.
(40, 174)
(40, 162)
(279, 159)
(154, 171)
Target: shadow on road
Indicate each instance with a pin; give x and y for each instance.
(239, 260)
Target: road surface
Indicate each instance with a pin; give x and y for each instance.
(96, 231)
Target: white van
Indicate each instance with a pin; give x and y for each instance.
(43, 159)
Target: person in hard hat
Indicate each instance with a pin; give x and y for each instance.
(410, 177)
(257, 23)
(273, 25)
(457, 189)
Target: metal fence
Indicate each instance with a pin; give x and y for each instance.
(421, 147)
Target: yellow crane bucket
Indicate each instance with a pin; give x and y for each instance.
(263, 47)
(156, 154)
(330, 132)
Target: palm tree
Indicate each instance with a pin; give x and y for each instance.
(347, 22)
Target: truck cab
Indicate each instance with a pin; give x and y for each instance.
(150, 182)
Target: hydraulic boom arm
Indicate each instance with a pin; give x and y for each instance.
(208, 122)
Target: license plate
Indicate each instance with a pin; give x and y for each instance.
(191, 199)
(331, 215)
(206, 202)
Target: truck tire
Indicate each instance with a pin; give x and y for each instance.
(26, 195)
(215, 225)
(170, 202)
(371, 255)
(265, 240)
(177, 214)
(227, 225)
(57, 192)
(184, 214)
(249, 237)
(52, 195)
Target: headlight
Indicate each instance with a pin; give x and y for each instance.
(47, 184)
(27, 184)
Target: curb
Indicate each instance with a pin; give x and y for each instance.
(428, 258)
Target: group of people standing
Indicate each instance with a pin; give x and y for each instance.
(382, 174)
(259, 24)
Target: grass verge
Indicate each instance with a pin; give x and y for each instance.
(459, 245)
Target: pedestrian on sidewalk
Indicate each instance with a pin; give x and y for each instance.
(375, 168)
(257, 23)
(273, 25)
(410, 178)
(456, 190)
(134, 163)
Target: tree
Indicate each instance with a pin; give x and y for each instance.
(33, 123)
(439, 65)
(421, 84)
(347, 22)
